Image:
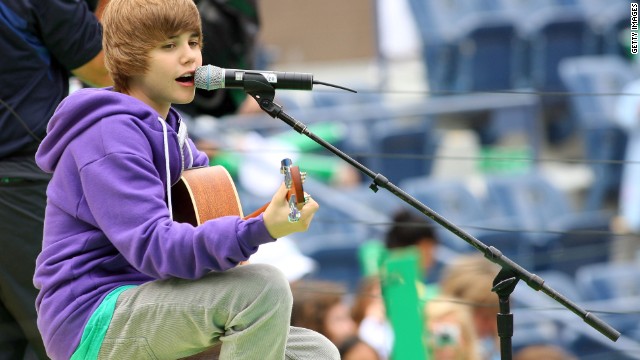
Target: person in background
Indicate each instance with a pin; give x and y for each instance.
(355, 349)
(369, 313)
(414, 231)
(408, 232)
(43, 44)
(320, 305)
(119, 278)
(543, 351)
(450, 332)
(470, 279)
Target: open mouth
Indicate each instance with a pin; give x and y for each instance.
(185, 79)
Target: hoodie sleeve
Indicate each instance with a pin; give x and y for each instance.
(126, 198)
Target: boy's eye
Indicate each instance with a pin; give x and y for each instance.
(168, 46)
(194, 43)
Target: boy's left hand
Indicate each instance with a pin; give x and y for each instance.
(276, 216)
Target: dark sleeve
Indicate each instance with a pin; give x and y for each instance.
(70, 31)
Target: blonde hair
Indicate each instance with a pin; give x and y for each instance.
(132, 28)
(444, 308)
(470, 278)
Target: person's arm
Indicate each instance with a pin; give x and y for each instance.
(94, 72)
(72, 35)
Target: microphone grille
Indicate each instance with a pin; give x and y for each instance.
(209, 77)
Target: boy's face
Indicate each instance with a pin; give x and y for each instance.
(170, 76)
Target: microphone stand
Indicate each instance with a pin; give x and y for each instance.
(263, 92)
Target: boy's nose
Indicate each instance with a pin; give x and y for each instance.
(190, 55)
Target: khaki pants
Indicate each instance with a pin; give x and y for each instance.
(247, 309)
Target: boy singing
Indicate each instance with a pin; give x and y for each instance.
(118, 278)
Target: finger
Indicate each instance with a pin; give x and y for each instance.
(281, 193)
(310, 207)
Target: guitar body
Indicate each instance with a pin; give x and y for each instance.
(204, 193)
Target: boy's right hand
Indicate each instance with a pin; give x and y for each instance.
(276, 216)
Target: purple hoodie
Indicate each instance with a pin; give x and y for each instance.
(107, 222)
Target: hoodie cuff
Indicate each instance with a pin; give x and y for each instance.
(254, 232)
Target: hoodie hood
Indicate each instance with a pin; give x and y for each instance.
(81, 111)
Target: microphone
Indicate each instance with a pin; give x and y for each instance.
(209, 77)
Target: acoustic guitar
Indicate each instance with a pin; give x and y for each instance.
(208, 192)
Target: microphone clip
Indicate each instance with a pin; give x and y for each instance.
(256, 85)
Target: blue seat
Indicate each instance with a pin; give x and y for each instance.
(333, 97)
(558, 280)
(597, 74)
(450, 199)
(604, 139)
(287, 101)
(337, 216)
(610, 284)
(487, 54)
(535, 325)
(563, 283)
(467, 45)
(552, 33)
(489, 47)
(338, 262)
(434, 19)
(403, 149)
(381, 201)
(346, 109)
(564, 238)
(532, 329)
(608, 19)
(504, 235)
(471, 46)
(455, 202)
(606, 281)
